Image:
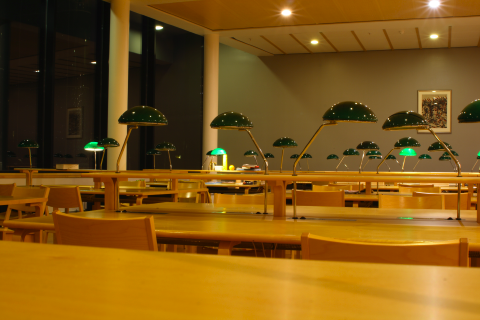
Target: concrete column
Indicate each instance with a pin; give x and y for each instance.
(118, 77)
(210, 91)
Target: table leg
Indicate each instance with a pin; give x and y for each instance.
(225, 247)
(368, 188)
(246, 190)
(279, 198)
(139, 200)
(111, 192)
(175, 188)
(355, 204)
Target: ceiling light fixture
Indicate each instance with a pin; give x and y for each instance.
(158, 27)
(434, 4)
(286, 12)
(37, 70)
(433, 36)
(314, 42)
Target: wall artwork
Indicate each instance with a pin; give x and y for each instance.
(436, 107)
(74, 123)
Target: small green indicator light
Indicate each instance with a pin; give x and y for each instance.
(405, 218)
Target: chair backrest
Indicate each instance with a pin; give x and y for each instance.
(189, 196)
(407, 202)
(135, 233)
(220, 198)
(450, 199)
(132, 184)
(324, 199)
(416, 185)
(330, 188)
(37, 192)
(65, 197)
(419, 188)
(445, 253)
(7, 189)
(341, 187)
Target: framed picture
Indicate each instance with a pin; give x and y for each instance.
(436, 107)
(74, 123)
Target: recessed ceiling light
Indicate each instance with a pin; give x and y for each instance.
(93, 62)
(434, 91)
(434, 4)
(158, 27)
(433, 36)
(314, 42)
(286, 12)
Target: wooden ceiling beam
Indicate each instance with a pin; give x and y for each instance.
(300, 43)
(331, 44)
(388, 39)
(449, 37)
(358, 40)
(248, 44)
(418, 38)
(273, 44)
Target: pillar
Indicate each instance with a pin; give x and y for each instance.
(118, 77)
(210, 91)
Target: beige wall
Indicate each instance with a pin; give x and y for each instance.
(286, 95)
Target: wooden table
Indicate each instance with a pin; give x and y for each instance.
(246, 187)
(231, 224)
(126, 284)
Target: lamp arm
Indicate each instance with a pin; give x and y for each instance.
(363, 156)
(449, 152)
(389, 169)
(346, 166)
(453, 166)
(309, 143)
(123, 147)
(338, 165)
(206, 158)
(366, 164)
(403, 165)
(416, 164)
(383, 160)
(30, 157)
(259, 150)
(281, 162)
(474, 165)
(101, 161)
(169, 160)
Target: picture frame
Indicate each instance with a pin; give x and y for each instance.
(74, 123)
(436, 107)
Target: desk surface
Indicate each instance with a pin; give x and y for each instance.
(240, 223)
(127, 284)
(141, 191)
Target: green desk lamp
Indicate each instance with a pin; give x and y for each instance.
(422, 157)
(154, 153)
(93, 146)
(370, 154)
(335, 157)
(283, 143)
(251, 153)
(166, 146)
(366, 146)
(107, 143)
(348, 153)
(478, 158)
(407, 152)
(269, 155)
(455, 154)
(407, 142)
(236, 121)
(208, 155)
(221, 152)
(446, 157)
(407, 120)
(372, 158)
(29, 144)
(139, 116)
(392, 157)
(307, 156)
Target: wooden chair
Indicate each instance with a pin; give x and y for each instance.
(6, 190)
(416, 185)
(136, 233)
(64, 197)
(331, 188)
(407, 202)
(220, 198)
(324, 199)
(342, 187)
(419, 188)
(132, 184)
(450, 199)
(192, 196)
(445, 253)
(37, 192)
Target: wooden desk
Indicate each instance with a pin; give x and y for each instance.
(126, 284)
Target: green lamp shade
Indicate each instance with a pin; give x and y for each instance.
(268, 155)
(471, 113)
(93, 146)
(368, 145)
(351, 152)
(444, 158)
(350, 111)
(58, 155)
(478, 157)
(332, 157)
(231, 121)
(424, 157)
(143, 116)
(250, 153)
(27, 143)
(437, 146)
(405, 120)
(408, 152)
(391, 157)
(218, 152)
(374, 157)
(373, 153)
(153, 152)
(294, 156)
(285, 142)
(108, 143)
(209, 153)
(307, 156)
(407, 142)
(81, 155)
(447, 155)
(166, 146)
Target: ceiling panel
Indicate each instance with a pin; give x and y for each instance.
(465, 36)
(343, 40)
(322, 45)
(261, 43)
(441, 31)
(287, 43)
(403, 38)
(373, 39)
